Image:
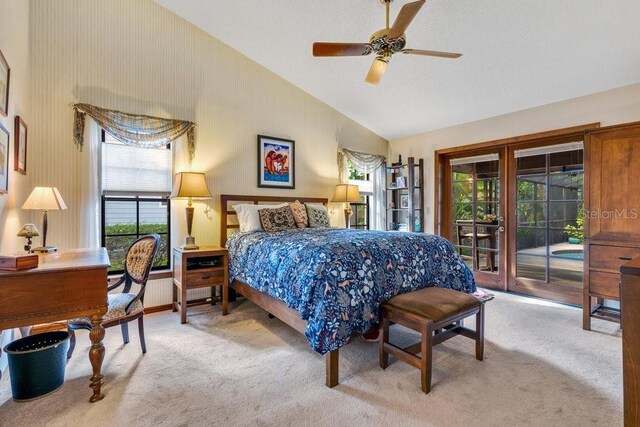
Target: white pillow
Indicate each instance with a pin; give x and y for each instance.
(248, 216)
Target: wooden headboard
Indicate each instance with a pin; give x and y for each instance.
(228, 200)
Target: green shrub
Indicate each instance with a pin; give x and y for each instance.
(117, 245)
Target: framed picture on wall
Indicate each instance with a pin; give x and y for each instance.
(20, 146)
(4, 159)
(4, 85)
(276, 162)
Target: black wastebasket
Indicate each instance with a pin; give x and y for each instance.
(36, 364)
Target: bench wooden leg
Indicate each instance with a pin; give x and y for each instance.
(426, 356)
(384, 337)
(332, 360)
(480, 333)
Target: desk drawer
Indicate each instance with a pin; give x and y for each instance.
(611, 257)
(205, 278)
(605, 284)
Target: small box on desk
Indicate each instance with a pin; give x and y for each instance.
(18, 262)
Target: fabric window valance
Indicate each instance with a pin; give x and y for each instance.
(363, 162)
(134, 129)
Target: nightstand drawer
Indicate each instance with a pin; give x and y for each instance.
(204, 278)
(611, 257)
(605, 284)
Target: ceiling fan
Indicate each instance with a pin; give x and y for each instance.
(384, 43)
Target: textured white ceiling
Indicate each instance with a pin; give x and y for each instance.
(518, 54)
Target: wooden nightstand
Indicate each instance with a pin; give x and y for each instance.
(201, 268)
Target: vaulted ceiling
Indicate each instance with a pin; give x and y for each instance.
(518, 54)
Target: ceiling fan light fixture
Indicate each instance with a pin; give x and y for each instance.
(377, 70)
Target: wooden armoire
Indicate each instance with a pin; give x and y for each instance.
(612, 215)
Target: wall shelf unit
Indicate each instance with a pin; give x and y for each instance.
(405, 196)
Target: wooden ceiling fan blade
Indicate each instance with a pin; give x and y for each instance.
(341, 49)
(432, 53)
(377, 70)
(404, 18)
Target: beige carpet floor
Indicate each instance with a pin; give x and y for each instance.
(540, 369)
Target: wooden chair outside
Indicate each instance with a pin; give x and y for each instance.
(125, 307)
(465, 231)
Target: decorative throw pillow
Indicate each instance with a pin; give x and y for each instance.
(318, 216)
(299, 214)
(248, 217)
(279, 219)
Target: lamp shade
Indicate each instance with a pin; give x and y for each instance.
(190, 184)
(346, 193)
(45, 198)
(29, 230)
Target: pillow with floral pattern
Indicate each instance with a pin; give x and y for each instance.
(318, 216)
(279, 219)
(299, 214)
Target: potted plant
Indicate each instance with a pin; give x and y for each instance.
(575, 233)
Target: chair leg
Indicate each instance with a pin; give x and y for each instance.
(141, 333)
(426, 356)
(480, 333)
(72, 343)
(125, 332)
(384, 338)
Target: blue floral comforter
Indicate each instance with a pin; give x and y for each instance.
(337, 278)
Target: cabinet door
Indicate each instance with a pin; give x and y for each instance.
(613, 183)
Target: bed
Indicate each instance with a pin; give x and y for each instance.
(329, 283)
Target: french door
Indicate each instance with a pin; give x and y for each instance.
(546, 235)
(474, 214)
(514, 213)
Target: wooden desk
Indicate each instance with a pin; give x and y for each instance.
(65, 285)
(629, 303)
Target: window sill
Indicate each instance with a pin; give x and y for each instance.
(154, 275)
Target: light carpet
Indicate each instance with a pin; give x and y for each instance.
(540, 368)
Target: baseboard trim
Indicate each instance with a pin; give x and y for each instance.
(157, 308)
(165, 307)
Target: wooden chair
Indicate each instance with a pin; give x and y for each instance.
(465, 231)
(125, 307)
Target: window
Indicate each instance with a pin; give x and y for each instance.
(360, 218)
(136, 183)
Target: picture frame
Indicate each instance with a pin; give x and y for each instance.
(4, 160)
(401, 182)
(276, 162)
(5, 73)
(404, 201)
(20, 146)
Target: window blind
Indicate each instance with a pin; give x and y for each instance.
(365, 187)
(548, 149)
(127, 169)
(475, 159)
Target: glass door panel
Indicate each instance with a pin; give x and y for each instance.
(475, 214)
(549, 212)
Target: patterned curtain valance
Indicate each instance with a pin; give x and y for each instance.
(363, 162)
(134, 129)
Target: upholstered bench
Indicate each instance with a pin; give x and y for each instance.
(437, 314)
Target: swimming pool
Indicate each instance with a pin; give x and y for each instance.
(575, 254)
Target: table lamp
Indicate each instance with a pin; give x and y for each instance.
(190, 185)
(29, 231)
(347, 193)
(45, 199)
